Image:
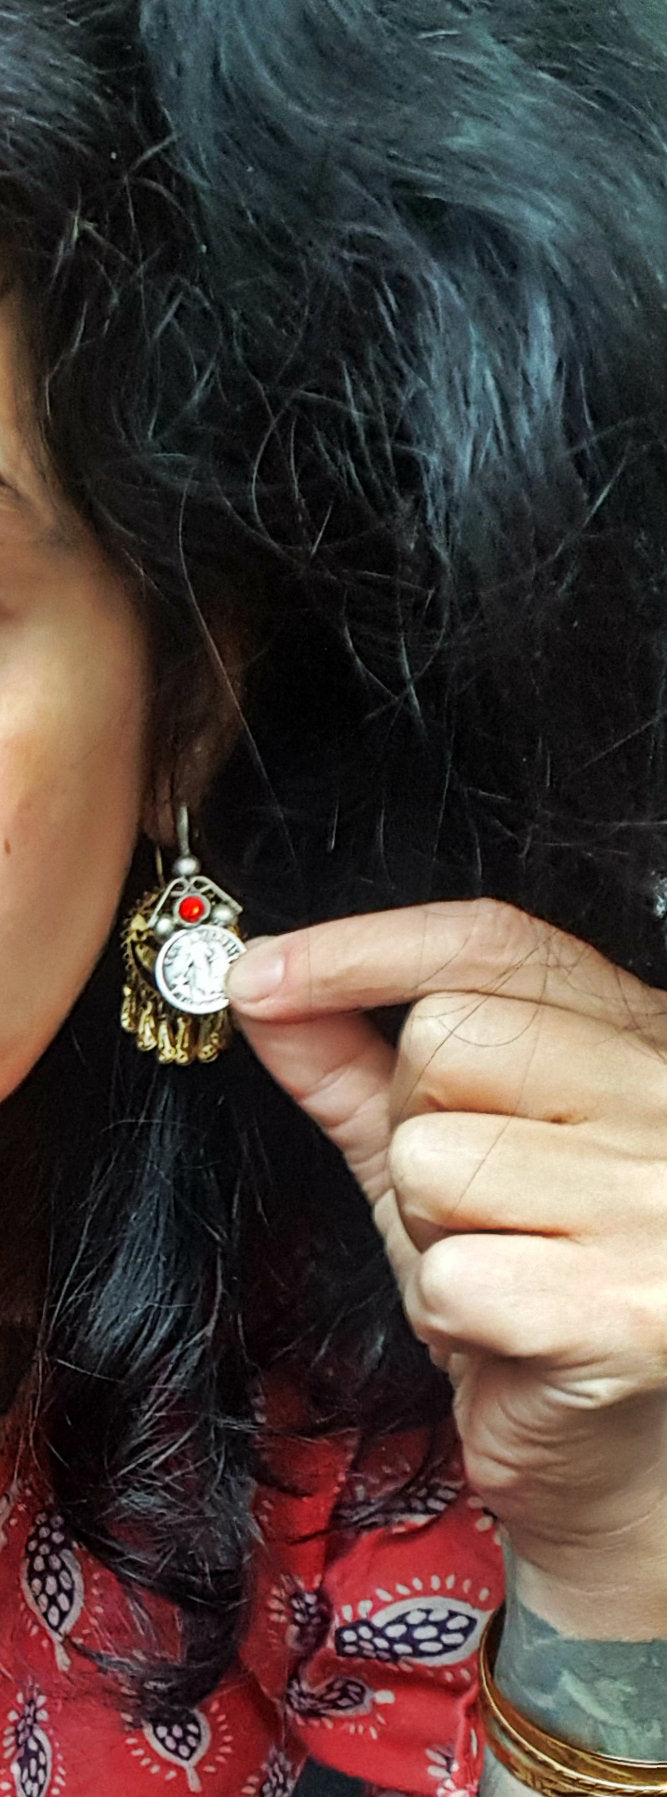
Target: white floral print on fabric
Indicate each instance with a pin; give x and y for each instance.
(363, 1506)
(7, 1502)
(298, 1615)
(33, 1766)
(277, 1777)
(182, 1740)
(188, 1741)
(346, 1702)
(443, 1768)
(384, 1697)
(485, 1520)
(335, 1697)
(52, 1580)
(432, 1629)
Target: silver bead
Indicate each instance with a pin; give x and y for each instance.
(185, 866)
(164, 926)
(222, 914)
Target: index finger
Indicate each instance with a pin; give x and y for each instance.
(473, 945)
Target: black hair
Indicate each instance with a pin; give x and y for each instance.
(346, 323)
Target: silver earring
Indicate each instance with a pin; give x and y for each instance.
(178, 946)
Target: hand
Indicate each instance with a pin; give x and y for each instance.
(514, 1149)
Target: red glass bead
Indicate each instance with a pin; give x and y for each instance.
(191, 909)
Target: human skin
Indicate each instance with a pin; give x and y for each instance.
(74, 683)
(514, 1151)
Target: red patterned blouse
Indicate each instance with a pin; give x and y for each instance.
(360, 1650)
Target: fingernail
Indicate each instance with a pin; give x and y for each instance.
(257, 973)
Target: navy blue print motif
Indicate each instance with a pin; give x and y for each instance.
(434, 1631)
(416, 1503)
(310, 1615)
(182, 1739)
(336, 1697)
(52, 1580)
(31, 1767)
(279, 1778)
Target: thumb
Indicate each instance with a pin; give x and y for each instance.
(339, 1070)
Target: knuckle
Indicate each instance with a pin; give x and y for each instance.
(430, 1291)
(423, 1031)
(499, 928)
(421, 1321)
(436, 1279)
(424, 1202)
(405, 1155)
(498, 935)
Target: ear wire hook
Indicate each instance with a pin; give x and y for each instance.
(183, 840)
(183, 830)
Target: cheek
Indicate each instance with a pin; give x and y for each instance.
(71, 784)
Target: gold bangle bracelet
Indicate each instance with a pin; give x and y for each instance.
(541, 1761)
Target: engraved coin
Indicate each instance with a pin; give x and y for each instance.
(191, 968)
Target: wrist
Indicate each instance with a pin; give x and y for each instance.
(606, 1703)
(597, 1585)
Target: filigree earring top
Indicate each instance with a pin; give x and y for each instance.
(178, 945)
